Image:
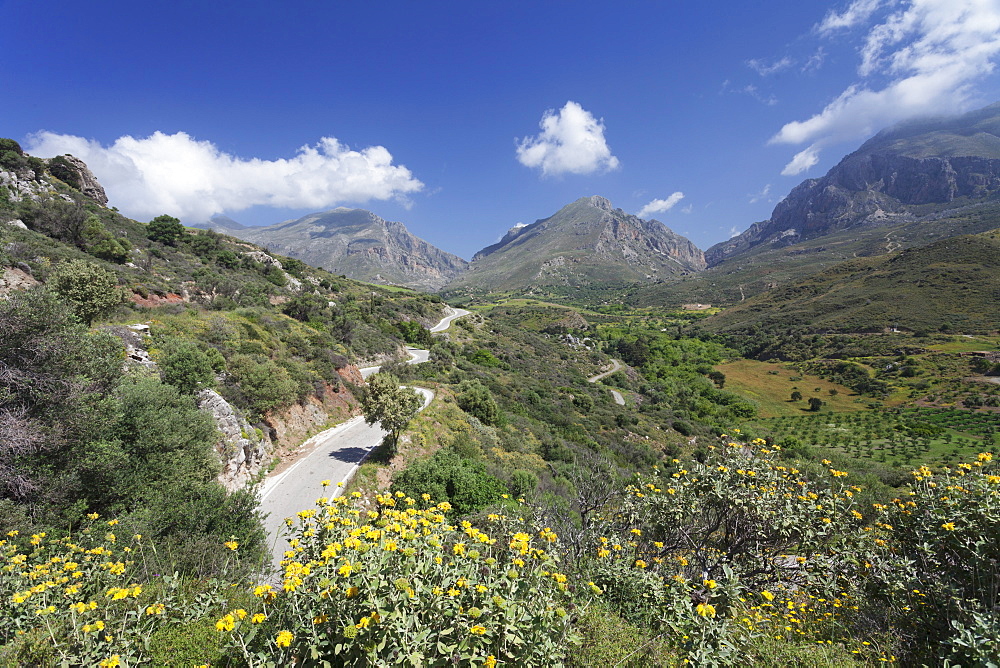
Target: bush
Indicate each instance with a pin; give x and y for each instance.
(464, 483)
(187, 367)
(475, 399)
(380, 589)
(88, 289)
(262, 384)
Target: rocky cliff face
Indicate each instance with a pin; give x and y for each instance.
(360, 245)
(930, 162)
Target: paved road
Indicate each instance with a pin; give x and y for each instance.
(335, 454)
(453, 313)
(615, 366)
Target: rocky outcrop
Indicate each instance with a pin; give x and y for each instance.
(32, 183)
(23, 185)
(15, 278)
(268, 261)
(359, 245)
(75, 172)
(242, 451)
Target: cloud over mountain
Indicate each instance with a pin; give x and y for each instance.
(194, 180)
(660, 205)
(571, 142)
(921, 58)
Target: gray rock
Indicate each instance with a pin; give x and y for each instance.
(17, 223)
(88, 182)
(241, 453)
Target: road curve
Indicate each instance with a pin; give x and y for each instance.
(334, 455)
(453, 314)
(615, 366)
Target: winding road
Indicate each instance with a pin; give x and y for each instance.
(615, 366)
(334, 455)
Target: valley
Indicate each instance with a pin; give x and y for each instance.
(621, 446)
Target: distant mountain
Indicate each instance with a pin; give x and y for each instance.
(358, 244)
(899, 175)
(586, 244)
(222, 223)
(953, 282)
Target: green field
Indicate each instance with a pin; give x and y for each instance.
(770, 386)
(907, 438)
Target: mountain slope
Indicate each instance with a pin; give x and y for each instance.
(888, 180)
(358, 244)
(953, 282)
(586, 244)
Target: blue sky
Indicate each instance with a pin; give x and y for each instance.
(462, 119)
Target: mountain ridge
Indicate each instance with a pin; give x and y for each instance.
(922, 162)
(585, 244)
(360, 245)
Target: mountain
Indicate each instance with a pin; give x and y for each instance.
(586, 244)
(222, 224)
(899, 175)
(357, 244)
(953, 282)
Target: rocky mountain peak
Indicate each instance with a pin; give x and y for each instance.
(932, 161)
(600, 202)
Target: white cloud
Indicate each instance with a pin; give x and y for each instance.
(765, 68)
(857, 13)
(815, 61)
(761, 195)
(572, 141)
(753, 92)
(802, 161)
(733, 232)
(929, 53)
(688, 209)
(193, 180)
(660, 205)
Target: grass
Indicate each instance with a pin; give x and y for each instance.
(770, 385)
(967, 344)
(902, 438)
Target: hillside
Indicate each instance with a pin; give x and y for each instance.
(355, 243)
(766, 267)
(587, 245)
(953, 283)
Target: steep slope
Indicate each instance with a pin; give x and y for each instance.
(358, 244)
(585, 245)
(953, 282)
(889, 180)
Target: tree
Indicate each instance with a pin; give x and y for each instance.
(390, 405)
(815, 403)
(796, 396)
(87, 288)
(166, 229)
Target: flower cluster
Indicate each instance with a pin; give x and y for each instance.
(399, 583)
